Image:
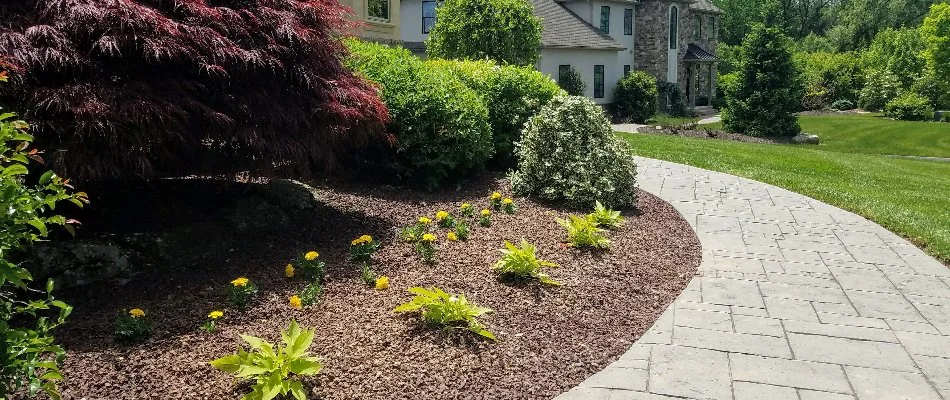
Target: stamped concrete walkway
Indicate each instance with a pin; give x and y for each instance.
(795, 299)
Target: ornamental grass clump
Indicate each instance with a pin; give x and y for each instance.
(604, 217)
(584, 233)
(211, 324)
(363, 248)
(426, 247)
(446, 310)
(274, 370)
(444, 219)
(132, 326)
(241, 291)
(523, 263)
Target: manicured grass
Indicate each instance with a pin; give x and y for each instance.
(873, 134)
(908, 197)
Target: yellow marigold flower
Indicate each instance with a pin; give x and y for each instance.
(495, 196)
(216, 314)
(428, 237)
(289, 271)
(452, 236)
(240, 282)
(508, 200)
(441, 215)
(136, 313)
(310, 256)
(486, 212)
(295, 302)
(466, 206)
(382, 283)
(362, 239)
(425, 220)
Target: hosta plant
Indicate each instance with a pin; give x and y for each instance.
(523, 263)
(584, 233)
(241, 291)
(312, 267)
(444, 219)
(274, 369)
(363, 248)
(426, 247)
(131, 326)
(605, 217)
(446, 310)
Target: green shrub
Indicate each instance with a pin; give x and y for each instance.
(582, 232)
(672, 100)
(274, 368)
(829, 77)
(512, 94)
(447, 310)
(572, 82)
(635, 97)
(29, 357)
(568, 153)
(768, 89)
(909, 107)
(506, 31)
(842, 105)
(523, 263)
(440, 126)
(936, 91)
(881, 88)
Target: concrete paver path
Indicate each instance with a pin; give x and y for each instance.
(795, 299)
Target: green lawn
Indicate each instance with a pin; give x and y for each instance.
(908, 197)
(872, 134)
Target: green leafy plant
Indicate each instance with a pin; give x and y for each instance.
(211, 324)
(241, 291)
(29, 357)
(312, 267)
(444, 219)
(523, 263)
(495, 200)
(363, 248)
(467, 210)
(310, 294)
(604, 217)
(447, 310)
(462, 230)
(506, 31)
(426, 247)
(485, 218)
(367, 274)
(584, 233)
(508, 205)
(635, 97)
(274, 369)
(909, 107)
(131, 326)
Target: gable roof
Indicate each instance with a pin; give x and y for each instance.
(705, 6)
(562, 28)
(696, 53)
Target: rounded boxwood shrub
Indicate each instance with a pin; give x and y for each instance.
(909, 107)
(512, 94)
(635, 97)
(439, 126)
(568, 153)
(842, 105)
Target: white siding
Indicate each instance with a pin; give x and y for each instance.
(584, 61)
(411, 21)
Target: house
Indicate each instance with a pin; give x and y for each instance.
(379, 19)
(675, 41)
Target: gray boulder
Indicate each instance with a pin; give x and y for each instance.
(805, 138)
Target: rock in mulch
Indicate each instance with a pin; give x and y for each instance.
(805, 138)
(550, 339)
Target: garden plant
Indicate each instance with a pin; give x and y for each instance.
(439, 308)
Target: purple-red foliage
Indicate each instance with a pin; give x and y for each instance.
(145, 88)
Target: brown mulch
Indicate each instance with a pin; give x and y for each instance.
(550, 339)
(700, 132)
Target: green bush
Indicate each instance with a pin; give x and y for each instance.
(506, 31)
(568, 153)
(936, 91)
(768, 88)
(635, 97)
(842, 105)
(512, 94)
(440, 126)
(909, 107)
(881, 88)
(672, 101)
(830, 77)
(573, 83)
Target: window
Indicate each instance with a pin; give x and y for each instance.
(714, 30)
(428, 16)
(605, 19)
(698, 30)
(599, 81)
(628, 21)
(674, 27)
(562, 72)
(626, 70)
(378, 9)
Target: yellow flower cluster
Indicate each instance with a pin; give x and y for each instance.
(466, 206)
(362, 239)
(428, 238)
(312, 255)
(439, 216)
(240, 282)
(508, 200)
(425, 220)
(382, 283)
(495, 196)
(289, 271)
(216, 314)
(295, 302)
(452, 236)
(486, 212)
(136, 313)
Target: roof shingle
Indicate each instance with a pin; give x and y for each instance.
(705, 6)
(562, 28)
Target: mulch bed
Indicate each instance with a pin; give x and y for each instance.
(700, 132)
(550, 339)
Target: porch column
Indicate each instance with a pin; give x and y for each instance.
(693, 74)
